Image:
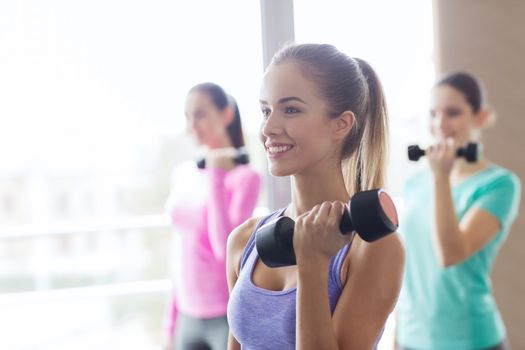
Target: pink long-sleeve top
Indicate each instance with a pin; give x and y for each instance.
(205, 206)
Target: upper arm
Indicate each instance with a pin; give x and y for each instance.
(245, 197)
(477, 228)
(493, 210)
(370, 292)
(225, 214)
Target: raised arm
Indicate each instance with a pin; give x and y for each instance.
(456, 240)
(371, 286)
(223, 218)
(370, 293)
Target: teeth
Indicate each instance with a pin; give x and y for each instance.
(279, 149)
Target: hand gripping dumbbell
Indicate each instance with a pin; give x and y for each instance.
(241, 157)
(471, 152)
(371, 214)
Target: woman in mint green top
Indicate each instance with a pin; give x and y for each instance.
(456, 217)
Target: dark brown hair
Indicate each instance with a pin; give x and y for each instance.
(468, 85)
(221, 100)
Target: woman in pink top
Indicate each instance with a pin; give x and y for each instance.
(205, 206)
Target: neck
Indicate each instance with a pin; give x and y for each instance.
(316, 186)
(463, 169)
(221, 142)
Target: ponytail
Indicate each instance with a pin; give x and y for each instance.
(348, 84)
(235, 127)
(221, 100)
(365, 169)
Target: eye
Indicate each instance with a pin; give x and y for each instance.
(432, 114)
(265, 112)
(290, 110)
(453, 112)
(199, 115)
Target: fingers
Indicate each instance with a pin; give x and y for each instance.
(226, 152)
(317, 231)
(443, 149)
(334, 217)
(323, 212)
(310, 215)
(328, 213)
(450, 148)
(338, 208)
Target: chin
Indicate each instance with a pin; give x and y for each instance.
(279, 171)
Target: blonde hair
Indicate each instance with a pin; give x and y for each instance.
(349, 84)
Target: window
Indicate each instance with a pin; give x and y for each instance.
(92, 101)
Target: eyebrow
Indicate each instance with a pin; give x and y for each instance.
(285, 99)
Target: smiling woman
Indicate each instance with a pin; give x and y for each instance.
(219, 197)
(457, 216)
(322, 112)
(294, 115)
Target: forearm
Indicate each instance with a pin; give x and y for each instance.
(447, 235)
(170, 319)
(219, 223)
(226, 214)
(314, 322)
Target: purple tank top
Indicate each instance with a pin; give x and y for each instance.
(264, 319)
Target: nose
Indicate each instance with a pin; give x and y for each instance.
(439, 121)
(190, 125)
(271, 126)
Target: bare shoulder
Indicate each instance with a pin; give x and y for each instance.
(389, 251)
(384, 257)
(237, 241)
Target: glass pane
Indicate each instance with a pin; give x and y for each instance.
(92, 100)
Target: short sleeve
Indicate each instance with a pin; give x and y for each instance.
(501, 198)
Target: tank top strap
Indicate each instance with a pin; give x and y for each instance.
(251, 242)
(337, 264)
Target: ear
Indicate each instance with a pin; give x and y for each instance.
(483, 118)
(227, 115)
(342, 125)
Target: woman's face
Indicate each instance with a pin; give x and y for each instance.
(204, 120)
(296, 130)
(451, 116)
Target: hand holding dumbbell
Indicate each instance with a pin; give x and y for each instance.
(371, 214)
(239, 156)
(471, 152)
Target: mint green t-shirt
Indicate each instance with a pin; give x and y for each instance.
(452, 308)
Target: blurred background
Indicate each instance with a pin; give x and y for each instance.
(92, 123)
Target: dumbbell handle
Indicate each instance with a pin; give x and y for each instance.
(372, 215)
(240, 158)
(415, 151)
(470, 152)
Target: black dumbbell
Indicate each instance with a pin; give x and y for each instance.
(471, 152)
(371, 214)
(240, 158)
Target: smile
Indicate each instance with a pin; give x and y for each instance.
(277, 151)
